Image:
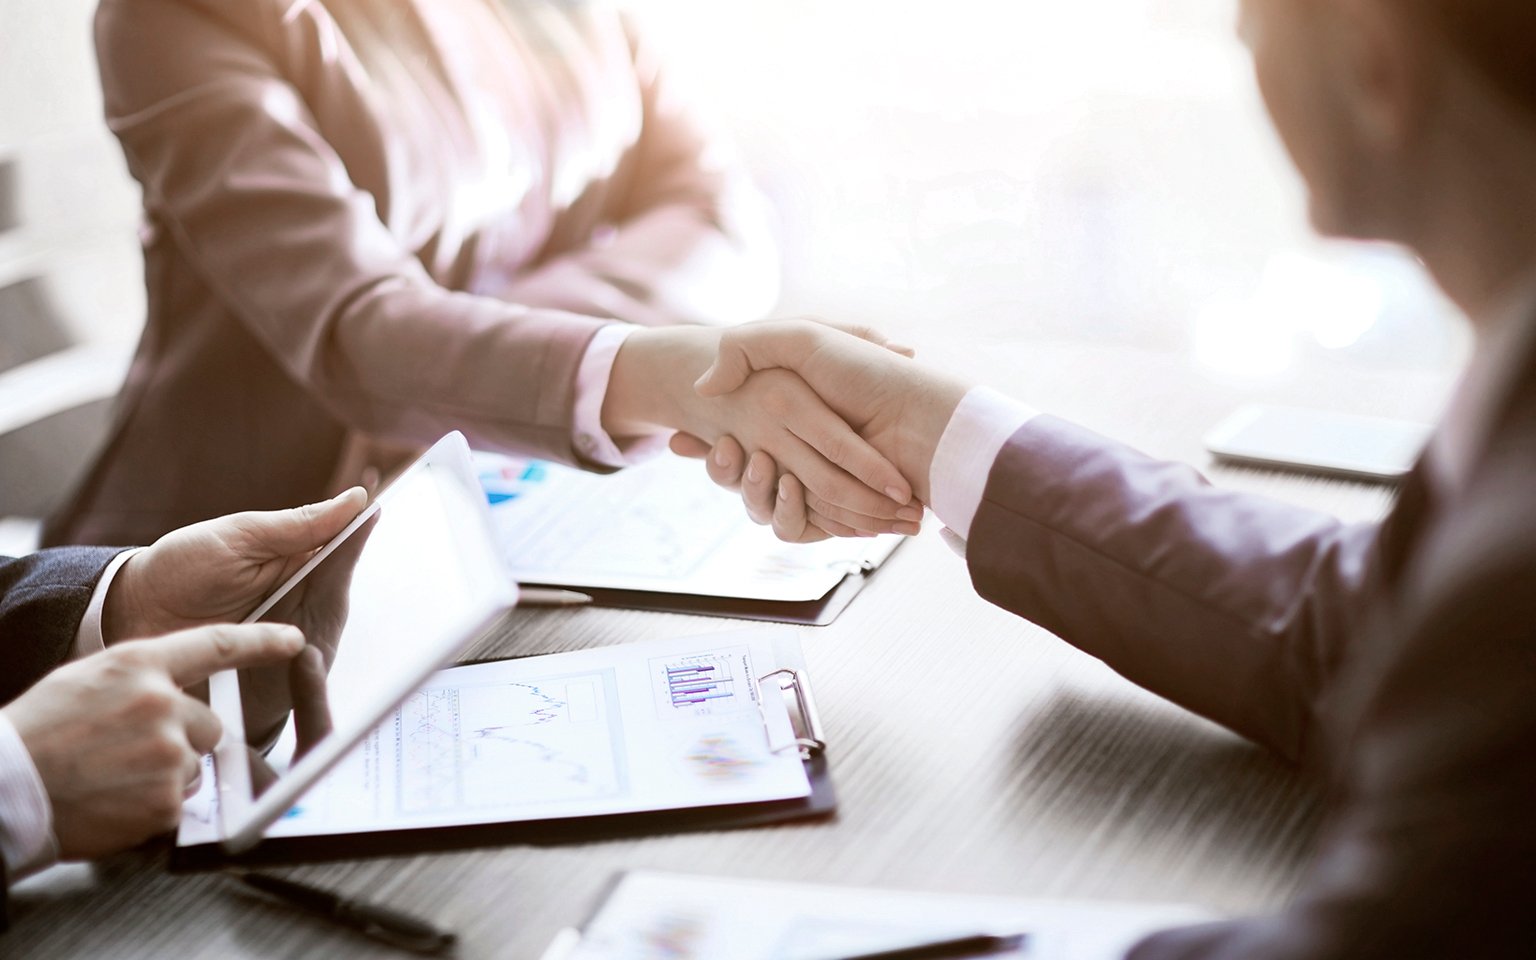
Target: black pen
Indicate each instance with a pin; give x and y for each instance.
(380, 923)
(979, 945)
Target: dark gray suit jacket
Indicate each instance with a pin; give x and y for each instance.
(42, 600)
(1397, 659)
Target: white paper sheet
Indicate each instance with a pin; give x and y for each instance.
(649, 916)
(662, 526)
(662, 725)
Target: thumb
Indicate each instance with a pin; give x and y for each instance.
(759, 346)
(302, 529)
(732, 366)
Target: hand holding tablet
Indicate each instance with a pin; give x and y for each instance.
(410, 583)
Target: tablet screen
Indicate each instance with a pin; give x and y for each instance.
(410, 584)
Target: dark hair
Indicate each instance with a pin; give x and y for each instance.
(1498, 37)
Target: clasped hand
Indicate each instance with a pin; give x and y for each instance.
(896, 406)
(855, 488)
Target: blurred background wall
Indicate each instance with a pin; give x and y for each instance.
(1099, 169)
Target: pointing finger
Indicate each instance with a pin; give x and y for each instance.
(193, 655)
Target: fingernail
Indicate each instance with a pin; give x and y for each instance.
(908, 529)
(897, 495)
(914, 514)
(347, 494)
(753, 473)
(721, 458)
(783, 492)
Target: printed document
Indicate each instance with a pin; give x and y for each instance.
(662, 526)
(660, 725)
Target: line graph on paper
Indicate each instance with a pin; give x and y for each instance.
(509, 744)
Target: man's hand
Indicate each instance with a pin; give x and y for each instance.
(900, 407)
(652, 385)
(117, 743)
(218, 570)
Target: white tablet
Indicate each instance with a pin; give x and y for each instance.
(408, 586)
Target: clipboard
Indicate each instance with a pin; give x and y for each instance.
(805, 613)
(662, 537)
(788, 677)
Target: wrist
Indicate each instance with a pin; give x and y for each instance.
(922, 425)
(122, 616)
(651, 384)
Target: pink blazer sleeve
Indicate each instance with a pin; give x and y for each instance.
(1231, 605)
(233, 164)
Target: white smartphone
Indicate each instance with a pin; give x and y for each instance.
(1319, 441)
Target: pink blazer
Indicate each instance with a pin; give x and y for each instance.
(370, 223)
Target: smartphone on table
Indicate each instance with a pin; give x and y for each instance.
(1319, 441)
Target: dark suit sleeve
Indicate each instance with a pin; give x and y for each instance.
(1231, 605)
(42, 601)
(1433, 852)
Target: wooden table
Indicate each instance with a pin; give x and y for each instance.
(972, 751)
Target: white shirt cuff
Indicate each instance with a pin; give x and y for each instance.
(963, 460)
(592, 377)
(89, 639)
(26, 817)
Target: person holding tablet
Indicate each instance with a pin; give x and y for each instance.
(370, 223)
(99, 737)
(1397, 659)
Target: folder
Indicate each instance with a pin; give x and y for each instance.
(661, 536)
(791, 728)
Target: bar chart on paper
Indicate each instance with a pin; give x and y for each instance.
(703, 684)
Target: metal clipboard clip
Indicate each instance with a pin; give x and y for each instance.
(808, 736)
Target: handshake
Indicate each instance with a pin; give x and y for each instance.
(826, 431)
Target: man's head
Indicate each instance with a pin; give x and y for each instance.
(1382, 102)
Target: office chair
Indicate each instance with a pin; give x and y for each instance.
(70, 309)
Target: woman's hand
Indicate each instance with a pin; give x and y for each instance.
(856, 489)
